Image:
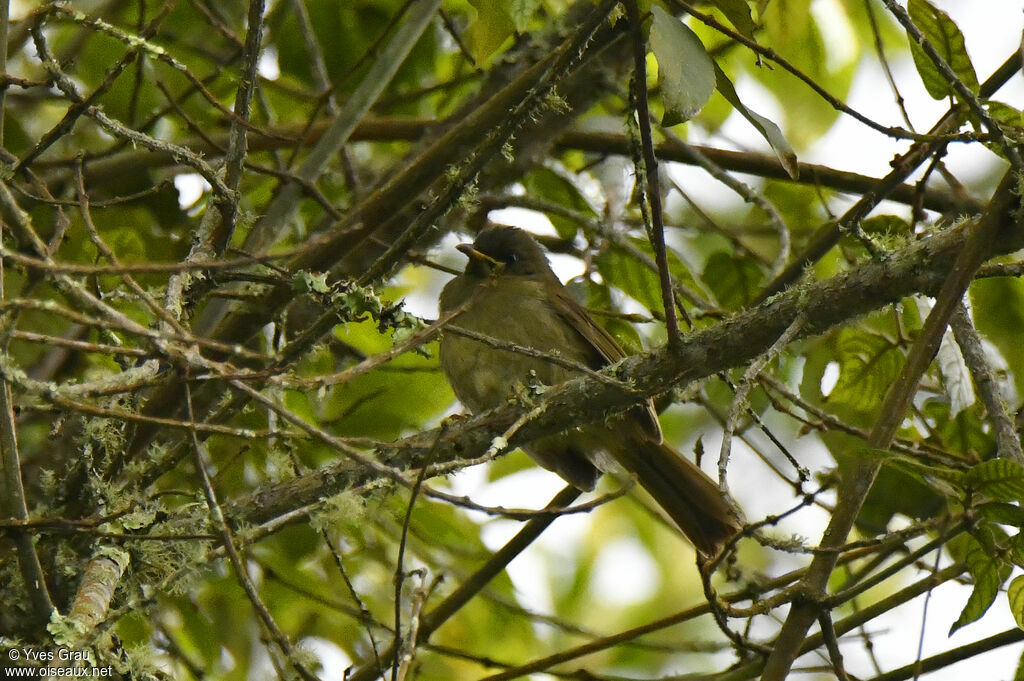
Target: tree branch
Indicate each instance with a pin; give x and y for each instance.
(920, 267)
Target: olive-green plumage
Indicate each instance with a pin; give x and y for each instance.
(511, 295)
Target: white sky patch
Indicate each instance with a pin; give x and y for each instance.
(532, 220)
(529, 575)
(624, 574)
(829, 378)
(268, 67)
(530, 572)
(191, 187)
(836, 32)
(565, 266)
(332, 658)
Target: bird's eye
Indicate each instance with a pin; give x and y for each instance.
(513, 258)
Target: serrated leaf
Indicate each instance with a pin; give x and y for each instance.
(771, 132)
(738, 13)
(998, 479)
(944, 35)
(868, 364)
(1015, 597)
(685, 71)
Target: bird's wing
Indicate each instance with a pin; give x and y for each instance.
(605, 351)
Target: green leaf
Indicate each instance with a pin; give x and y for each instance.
(962, 434)
(902, 486)
(997, 306)
(685, 71)
(553, 186)
(521, 11)
(1017, 549)
(492, 27)
(622, 271)
(948, 41)
(738, 13)
(1015, 597)
(980, 600)
(911, 466)
(989, 574)
(998, 479)
(1005, 115)
(734, 281)
(808, 43)
(1002, 513)
(771, 132)
(868, 364)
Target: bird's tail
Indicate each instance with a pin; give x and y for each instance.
(691, 498)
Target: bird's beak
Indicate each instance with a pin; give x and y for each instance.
(476, 255)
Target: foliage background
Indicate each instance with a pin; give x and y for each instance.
(213, 212)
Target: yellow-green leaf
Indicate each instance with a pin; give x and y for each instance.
(771, 132)
(735, 281)
(868, 364)
(998, 479)
(491, 28)
(737, 12)
(948, 41)
(988, 574)
(1015, 597)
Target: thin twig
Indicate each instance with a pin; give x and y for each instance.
(647, 172)
(471, 586)
(228, 542)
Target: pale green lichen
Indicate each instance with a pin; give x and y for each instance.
(64, 630)
(338, 511)
(310, 282)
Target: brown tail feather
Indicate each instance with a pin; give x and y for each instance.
(690, 497)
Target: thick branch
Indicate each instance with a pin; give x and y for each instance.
(920, 267)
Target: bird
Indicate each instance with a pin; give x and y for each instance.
(509, 299)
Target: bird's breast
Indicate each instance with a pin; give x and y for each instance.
(518, 321)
